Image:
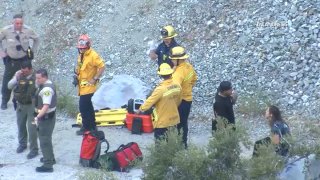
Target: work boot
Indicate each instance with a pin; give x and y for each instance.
(4, 106)
(21, 148)
(80, 132)
(53, 161)
(44, 169)
(32, 154)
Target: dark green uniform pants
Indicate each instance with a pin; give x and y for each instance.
(25, 127)
(11, 67)
(46, 126)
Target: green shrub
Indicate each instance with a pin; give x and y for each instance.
(267, 164)
(221, 159)
(94, 174)
(189, 164)
(160, 157)
(66, 102)
(224, 152)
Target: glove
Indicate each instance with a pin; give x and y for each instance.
(36, 123)
(75, 81)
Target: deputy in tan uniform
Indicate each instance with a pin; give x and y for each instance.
(24, 88)
(165, 98)
(46, 101)
(14, 44)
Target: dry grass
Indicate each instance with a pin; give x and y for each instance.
(146, 7)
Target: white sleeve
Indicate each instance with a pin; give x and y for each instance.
(13, 82)
(46, 94)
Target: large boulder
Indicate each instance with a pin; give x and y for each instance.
(116, 92)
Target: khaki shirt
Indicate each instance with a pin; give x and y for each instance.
(8, 35)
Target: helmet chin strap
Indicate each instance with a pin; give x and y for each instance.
(82, 51)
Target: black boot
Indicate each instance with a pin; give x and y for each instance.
(4, 105)
(32, 154)
(80, 132)
(44, 169)
(53, 161)
(21, 148)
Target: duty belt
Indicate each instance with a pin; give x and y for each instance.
(46, 116)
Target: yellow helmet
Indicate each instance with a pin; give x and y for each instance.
(178, 52)
(168, 32)
(165, 69)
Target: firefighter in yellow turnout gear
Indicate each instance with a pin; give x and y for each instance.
(166, 98)
(186, 76)
(90, 67)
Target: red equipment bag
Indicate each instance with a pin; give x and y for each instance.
(91, 147)
(147, 126)
(124, 157)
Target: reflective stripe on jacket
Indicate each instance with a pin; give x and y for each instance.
(87, 68)
(165, 98)
(186, 76)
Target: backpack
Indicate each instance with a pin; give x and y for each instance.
(91, 148)
(122, 158)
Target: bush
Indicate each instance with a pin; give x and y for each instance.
(221, 159)
(224, 152)
(67, 103)
(189, 164)
(266, 166)
(93, 174)
(160, 157)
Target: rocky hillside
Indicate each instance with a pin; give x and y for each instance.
(265, 47)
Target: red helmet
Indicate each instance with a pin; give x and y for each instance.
(84, 42)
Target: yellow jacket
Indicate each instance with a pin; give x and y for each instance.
(86, 69)
(166, 98)
(186, 76)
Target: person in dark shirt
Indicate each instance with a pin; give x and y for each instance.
(225, 98)
(162, 52)
(279, 129)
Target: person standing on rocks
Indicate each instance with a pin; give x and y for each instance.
(166, 98)
(16, 38)
(45, 118)
(279, 129)
(24, 88)
(90, 67)
(162, 52)
(186, 76)
(225, 98)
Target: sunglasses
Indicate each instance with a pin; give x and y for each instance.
(18, 47)
(17, 37)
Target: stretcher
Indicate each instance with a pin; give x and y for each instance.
(111, 117)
